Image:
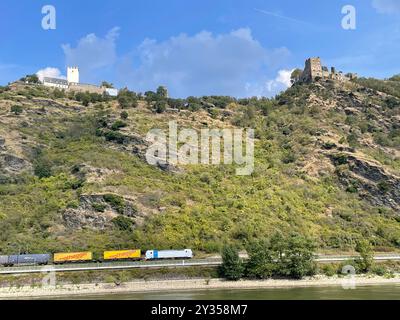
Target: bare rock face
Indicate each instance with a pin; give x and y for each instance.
(372, 182)
(10, 163)
(98, 211)
(92, 174)
(80, 219)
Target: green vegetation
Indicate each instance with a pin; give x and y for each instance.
(99, 207)
(304, 182)
(391, 87)
(278, 256)
(118, 125)
(127, 99)
(16, 109)
(106, 84)
(117, 202)
(232, 267)
(124, 115)
(261, 263)
(30, 78)
(123, 223)
(366, 260)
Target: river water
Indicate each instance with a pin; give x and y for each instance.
(387, 292)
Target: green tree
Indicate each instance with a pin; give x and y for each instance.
(366, 260)
(295, 256)
(31, 78)
(261, 264)
(295, 76)
(127, 99)
(162, 92)
(232, 267)
(395, 78)
(160, 106)
(106, 84)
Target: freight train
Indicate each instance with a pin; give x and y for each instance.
(80, 257)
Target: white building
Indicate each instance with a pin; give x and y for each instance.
(73, 75)
(72, 82)
(112, 92)
(55, 82)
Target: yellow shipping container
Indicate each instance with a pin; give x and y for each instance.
(72, 257)
(123, 254)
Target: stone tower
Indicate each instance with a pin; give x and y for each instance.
(312, 70)
(73, 75)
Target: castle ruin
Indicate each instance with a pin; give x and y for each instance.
(314, 71)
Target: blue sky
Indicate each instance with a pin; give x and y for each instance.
(227, 47)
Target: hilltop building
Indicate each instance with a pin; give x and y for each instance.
(73, 75)
(72, 83)
(314, 70)
(55, 82)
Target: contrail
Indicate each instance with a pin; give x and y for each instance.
(276, 15)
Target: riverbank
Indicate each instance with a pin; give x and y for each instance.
(183, 285)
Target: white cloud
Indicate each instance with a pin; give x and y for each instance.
(386, 6)
(270, 87)
(284, 77)
(49, 72)
(204, 64)
(93, 55)
(233, 63)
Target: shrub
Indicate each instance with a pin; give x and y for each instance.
(127, 99)
(329, 270)
(384, 186)
(57, 93)
(114, 136)
(73, 204)
(124, 115)
(341, 159)
(379, 270)
(73, 184)
(43, 168)
(160, 106)
(16, 109)
(99, 207)
(116, 202)
(123, 223)
(118, 125)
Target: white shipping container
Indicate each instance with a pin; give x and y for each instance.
(169, 254)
